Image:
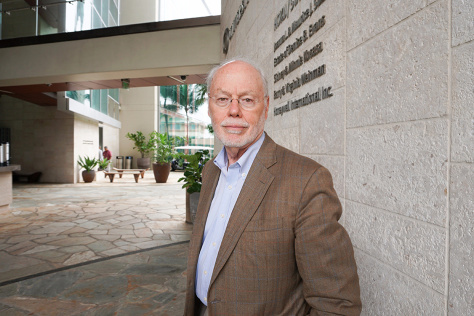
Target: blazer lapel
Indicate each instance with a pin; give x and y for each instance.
(251, 195)
(207, 193)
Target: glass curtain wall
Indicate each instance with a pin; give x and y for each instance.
(22, 18)
(183, 113)
(104, 101)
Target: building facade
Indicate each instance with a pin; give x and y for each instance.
(378, 92)
(381, 94)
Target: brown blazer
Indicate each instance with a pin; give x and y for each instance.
(283, 252)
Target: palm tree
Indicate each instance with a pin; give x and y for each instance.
(170, 96)
(191, 97)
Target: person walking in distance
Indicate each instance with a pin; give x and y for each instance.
(107, 155)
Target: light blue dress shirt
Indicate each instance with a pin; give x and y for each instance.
(228, 188)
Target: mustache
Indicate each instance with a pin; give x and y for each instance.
(234, 122)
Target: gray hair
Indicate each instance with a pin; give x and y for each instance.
(214, 70)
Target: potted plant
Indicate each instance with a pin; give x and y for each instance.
(88, 165)
(143, 146)
(164, 154)
(103, 164)
(193, 181)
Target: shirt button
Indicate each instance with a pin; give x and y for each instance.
(205, 272)
(214, 244)
(205, 299)
(230, 187)
(222, 215)
(244, 175)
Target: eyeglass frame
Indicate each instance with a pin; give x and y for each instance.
(238, 101)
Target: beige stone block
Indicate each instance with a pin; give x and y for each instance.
(462, 21)
(400, 168)
(415, 248)
(322, 126)
(288, 138)
(366, 19)
(287, 120)
(461, 242)
(387, 291)
(264, 43)
(266, 9)
(462, 135)
(402, 74)
(333, 56)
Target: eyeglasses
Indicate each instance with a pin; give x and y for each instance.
(246, 102)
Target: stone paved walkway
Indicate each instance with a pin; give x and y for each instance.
(53, 227)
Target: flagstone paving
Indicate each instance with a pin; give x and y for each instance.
(150, 282)
(51, 227)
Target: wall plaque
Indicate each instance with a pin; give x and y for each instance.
(291, 56)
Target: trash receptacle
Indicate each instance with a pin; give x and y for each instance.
(119, 162)
(128, 162)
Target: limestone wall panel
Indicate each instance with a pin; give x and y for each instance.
(41, 139)
(461, 242)
(402, 74)
(400, 168)
(287, 120)
(86, 142)
(322, 126)
(412, 247)
(463, 22)
(366, 19)
(387, 291)
(462, 134)
(288, 138)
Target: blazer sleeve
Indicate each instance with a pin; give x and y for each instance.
(324, 252)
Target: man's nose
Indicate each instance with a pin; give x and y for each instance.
(234, 108)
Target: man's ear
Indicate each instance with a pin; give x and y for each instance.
(267, 106)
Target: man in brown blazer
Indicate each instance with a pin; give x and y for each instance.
(266, 238)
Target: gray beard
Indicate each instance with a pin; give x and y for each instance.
(245, 140)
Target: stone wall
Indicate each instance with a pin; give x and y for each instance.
(139, 112)
(385, 101)
(42, 139)
(50, 141)
(86, 143)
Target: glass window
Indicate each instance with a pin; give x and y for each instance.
(18, 20)
(103, 101)
(114, 94)
(96, 20)
(113, 10)
(104, 11)
(183, 112)
(95, 99)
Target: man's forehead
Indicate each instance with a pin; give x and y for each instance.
(242, 92)
(242, 74)
(237, 67)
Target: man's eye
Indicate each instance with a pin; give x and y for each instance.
(222, 99)
(247, 100)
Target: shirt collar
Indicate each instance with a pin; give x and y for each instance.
(245, 161)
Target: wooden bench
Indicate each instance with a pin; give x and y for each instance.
(120, 171)
(111, 174)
